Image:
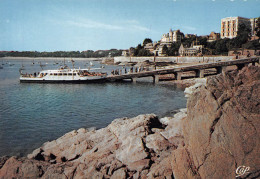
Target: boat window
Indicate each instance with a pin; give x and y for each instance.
(69, 74)
(74, 74)
(51, 74)
(60, 74)
(55, 74)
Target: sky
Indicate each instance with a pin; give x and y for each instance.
(79, 25)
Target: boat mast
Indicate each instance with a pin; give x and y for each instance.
(73, 63)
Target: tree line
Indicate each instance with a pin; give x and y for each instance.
(74, 54)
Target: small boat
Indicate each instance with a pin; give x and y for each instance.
(63, 75)
(1, 67)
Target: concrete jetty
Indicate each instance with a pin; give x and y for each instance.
(199, 70)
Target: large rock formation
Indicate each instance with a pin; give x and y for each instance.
(219, 134)
(139, 147)
(222, 129)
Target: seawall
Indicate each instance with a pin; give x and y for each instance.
(172, 59)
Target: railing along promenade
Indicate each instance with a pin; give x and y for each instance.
(199, 70)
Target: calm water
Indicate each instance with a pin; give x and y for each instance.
(31, 114)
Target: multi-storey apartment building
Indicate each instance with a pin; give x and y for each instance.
(229, 26)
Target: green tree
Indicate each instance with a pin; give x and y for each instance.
(243, 34)
(144, 52)
(174, 49)
(165, 50)
(137, 49)
(254, 45)
(221, 46)
(187, 42)
(202, 41)
(146, 41)
(257, 29)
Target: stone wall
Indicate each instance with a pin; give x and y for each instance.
(172, 59)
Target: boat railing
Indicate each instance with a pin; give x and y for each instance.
(92, 74)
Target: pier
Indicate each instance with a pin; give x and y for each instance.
(199, 70)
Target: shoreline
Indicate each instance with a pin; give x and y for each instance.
(51, 58)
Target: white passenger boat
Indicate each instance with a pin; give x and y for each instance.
(63, 75)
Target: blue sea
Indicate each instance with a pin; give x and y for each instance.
(31, 114)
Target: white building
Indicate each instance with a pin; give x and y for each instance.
(229, 26)
(172, 36)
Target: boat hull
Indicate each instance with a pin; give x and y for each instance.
(64, 81)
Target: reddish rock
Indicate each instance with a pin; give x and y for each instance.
(117, 151)
(120, 173)
(139, 165)
(222, 130)
(157, 142)
(3, 160)
(22, 168)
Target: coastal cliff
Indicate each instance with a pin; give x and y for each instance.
(221, 131)
(218, 132)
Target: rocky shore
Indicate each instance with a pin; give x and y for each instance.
(217, 133)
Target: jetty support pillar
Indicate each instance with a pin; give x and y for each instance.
(221, 69)
(178, 75)
(134, 79)
(156, 79)
(200, 73)
(240, 66)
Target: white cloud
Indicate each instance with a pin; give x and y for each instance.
(69, 19)
(127, 25)
(133, 21)
(190, 28)
(138, 27)
(93, 24)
